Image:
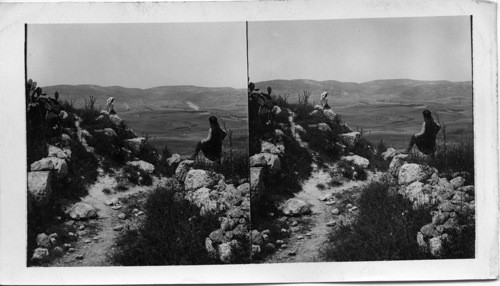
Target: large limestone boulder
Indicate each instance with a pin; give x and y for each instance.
(357, 160)
(389, 153)
(350, 139)
(82, 211)
(39, 188)
(257, 178)
(272, 161)
(183, 169)
(43, 240)
(396, 163)
(57, 165)
(409, 173)
(197, 178)
(201, 198)
(457, 182)
(174, 160)
(142, 165)
(57, 152)
(135, 144)
(295, 206)
(226, 251)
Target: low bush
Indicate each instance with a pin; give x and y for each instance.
(385, 229)
(173, 233)
(351, 171)
(234, 165)
(137, 176)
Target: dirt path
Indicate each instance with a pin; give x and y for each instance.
(96, 242)
(310, 234)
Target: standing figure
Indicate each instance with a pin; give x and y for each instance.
(426, 138)
(110, 105)
(212, 145)
(323, 101)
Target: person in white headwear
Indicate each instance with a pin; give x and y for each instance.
(110, 105)
(323, 101)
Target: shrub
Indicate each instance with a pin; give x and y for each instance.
(234, 165)
(173, 233)
(137, 176)
(351, 171)
(385, 229)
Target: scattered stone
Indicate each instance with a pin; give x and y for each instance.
(116, 207)
(357, 160)
(292, 253)
(329, 203)
(212, 252)
(59, 153)
(118, 228)
(56, 165)
(40, 254)
(87, 241)
(396, 163)
(42, 240)
(39, 187)
(122, 216)
(135, 211)
(143, 166)
(295, 223)
(67, 245)
(354, 208)
(283, 246)
(79, 256)
(309, 234)
(331, 223)
(226, 254)
(71, 250)
(295, 206)
(139, 213)
(279, 241)
(272, 161)
(81, 227)
(57, 251)
(389, 153)
(421, 242)
(135, 144)
(300, 237)
(429, 230)
(82, 211)
(112, 202)
(335, 211)
(350, 139)
(436, 246)
(174, 160)
(95, 238)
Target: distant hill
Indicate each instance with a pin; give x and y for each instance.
(181, 97)
(393, 89)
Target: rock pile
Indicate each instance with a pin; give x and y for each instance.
(450, 201)
(212, 193)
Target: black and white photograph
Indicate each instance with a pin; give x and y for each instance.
(361, 139)
(249, 142)
(137, 144)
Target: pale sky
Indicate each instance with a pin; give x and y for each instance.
(360, 50)
(138, 55)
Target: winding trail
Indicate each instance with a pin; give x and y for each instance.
(100, 232)
(308, 238)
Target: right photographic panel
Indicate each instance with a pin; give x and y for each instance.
(361, 139)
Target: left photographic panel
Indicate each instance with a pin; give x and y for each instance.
(137, 144)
